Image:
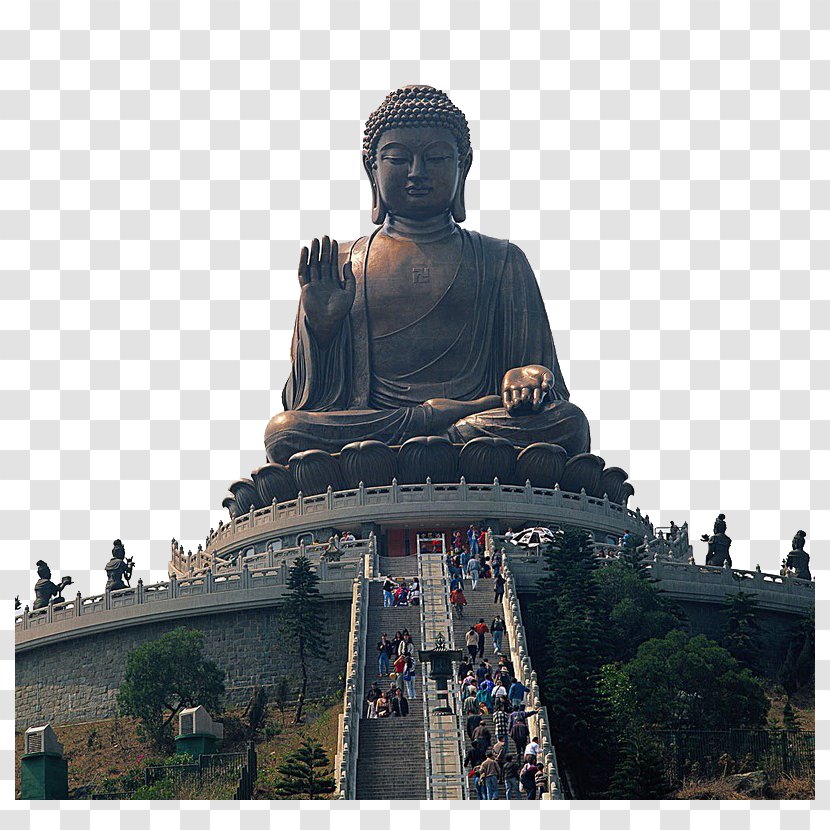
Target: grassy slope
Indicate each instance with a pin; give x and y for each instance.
(105, 749)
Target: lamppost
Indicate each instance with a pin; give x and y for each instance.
(440, 660)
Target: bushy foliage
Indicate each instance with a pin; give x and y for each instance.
(634, 608)
(167, 675)
(680, 681)
(741, 632)
(799, 667)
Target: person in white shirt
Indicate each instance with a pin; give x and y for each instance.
(533, 748)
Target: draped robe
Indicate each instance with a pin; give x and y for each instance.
(363, 386)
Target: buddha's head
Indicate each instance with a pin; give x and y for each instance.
(417, 154)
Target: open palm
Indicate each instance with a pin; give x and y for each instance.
(326, 299)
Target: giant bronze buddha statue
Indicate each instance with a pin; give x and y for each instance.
(422, 328)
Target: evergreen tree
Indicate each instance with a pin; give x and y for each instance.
(167, 675)
(790, 721)
(635, 609)
(301, 615)
(741, 632)
(573, 644)
(799, 666)
(303, 774)
(640, 771)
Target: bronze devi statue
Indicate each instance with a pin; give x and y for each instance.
(119, 569)
(423, 327)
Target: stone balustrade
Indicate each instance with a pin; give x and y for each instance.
(261, 571)
(345, 762)
(683, 580)
(344, 507)
(525, 673)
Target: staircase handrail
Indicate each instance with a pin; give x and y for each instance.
(525, 673)
(349, 720)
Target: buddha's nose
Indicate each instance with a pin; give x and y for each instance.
(418, 168)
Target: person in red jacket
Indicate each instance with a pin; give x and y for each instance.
(458, 601)
(481, 629)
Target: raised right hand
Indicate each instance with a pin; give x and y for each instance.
(326, 300)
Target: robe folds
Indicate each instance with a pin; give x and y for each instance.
(362, 387)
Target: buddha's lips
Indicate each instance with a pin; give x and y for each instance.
(418, 191)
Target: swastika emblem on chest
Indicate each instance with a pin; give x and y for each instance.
(420, 275)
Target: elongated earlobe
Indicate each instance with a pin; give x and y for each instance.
(459, 209)
(378, 207)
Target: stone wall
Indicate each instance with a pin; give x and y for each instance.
(77, 680)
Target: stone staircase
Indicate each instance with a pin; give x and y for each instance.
(480, 604)
(391, 760)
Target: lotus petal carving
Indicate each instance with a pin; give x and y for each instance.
(427, 456)
(229, 503)
(542, 464)
(583, 471)
(612, 481)
(315, 471)
(483, 459)
(371, 462)
(245, 494)
(274, 481)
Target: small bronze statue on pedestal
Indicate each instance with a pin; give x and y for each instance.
(45, 590)
(119, 569)
(719, 544)
(798, 560)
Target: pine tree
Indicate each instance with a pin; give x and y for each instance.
(573, 643)
(640, 770)
(301, 614)
(301, 774)
(790, 721)
(741, 632)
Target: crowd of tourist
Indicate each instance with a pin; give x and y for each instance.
(495, 690)
(397, 593)
(396, 661)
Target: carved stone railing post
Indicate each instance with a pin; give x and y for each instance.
(430, 490)
(300, 504)
(274, 509)
(78, 604)
(208, 581)
(107, 600)
(361, 494)
(329, 498)
(139, 592)
(395, 491)
(462, 489)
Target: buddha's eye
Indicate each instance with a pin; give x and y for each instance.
(438, 158)
(396, 160)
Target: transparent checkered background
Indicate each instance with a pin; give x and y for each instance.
(665, 166)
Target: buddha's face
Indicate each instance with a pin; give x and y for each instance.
(417, 170)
